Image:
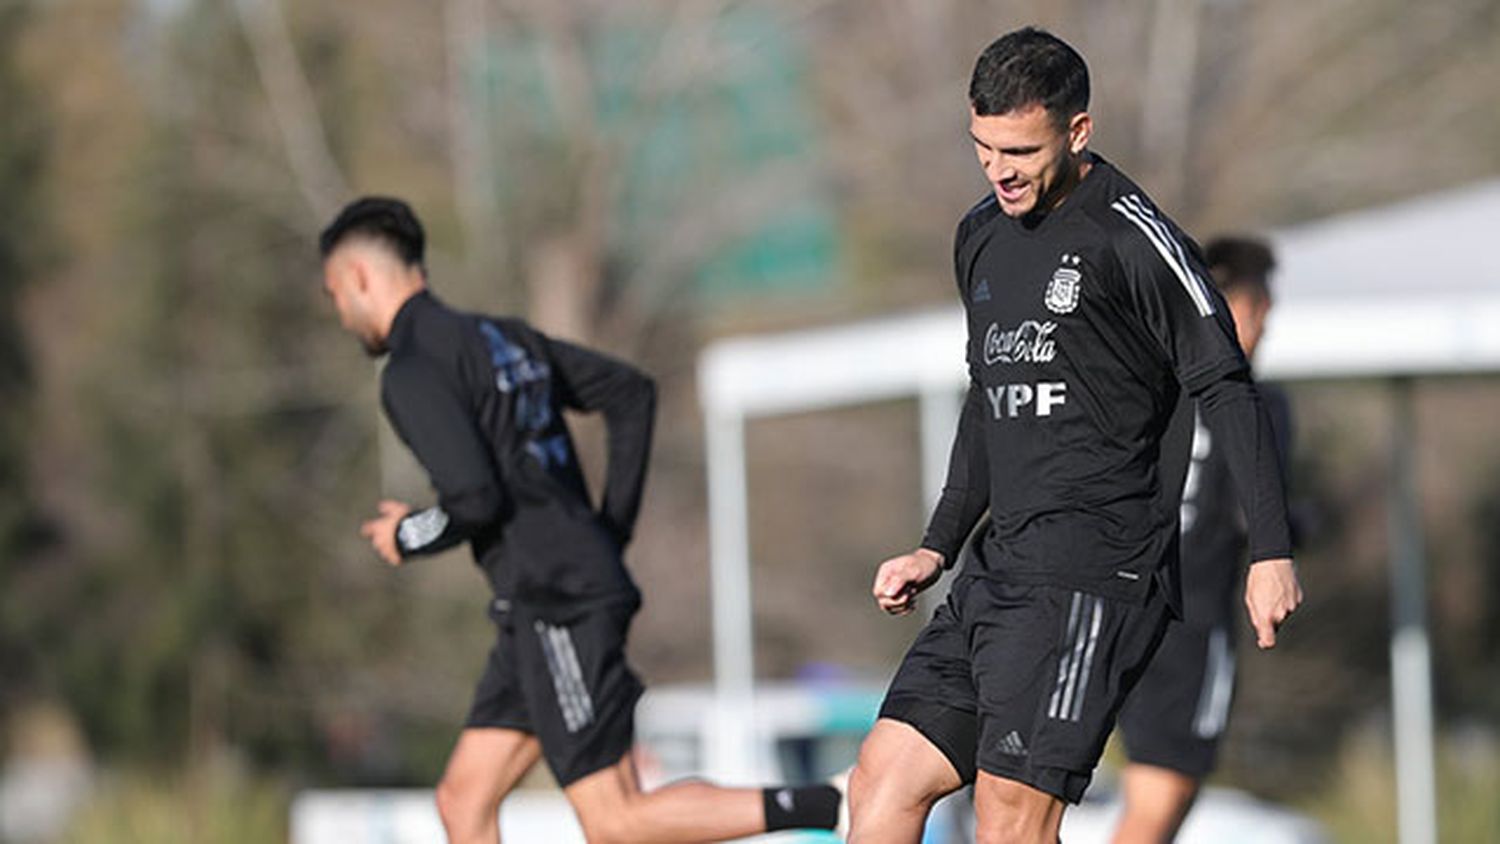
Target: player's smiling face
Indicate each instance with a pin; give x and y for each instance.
(1030, 161)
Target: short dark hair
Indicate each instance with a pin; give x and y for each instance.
(1029, 66)
(1240, 262)
(380, 218)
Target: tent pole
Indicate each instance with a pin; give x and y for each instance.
(730, 750)
(1411, 660)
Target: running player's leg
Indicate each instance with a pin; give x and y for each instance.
(497, 746)
(1014, 813)
(899, 776)
(614, 810)
(923, 745)
(1171, 724)
(485, 765)
(1156, 802)
(581, 696)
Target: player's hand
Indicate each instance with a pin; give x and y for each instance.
(1271, 594)
(381, 530)
(899, 579)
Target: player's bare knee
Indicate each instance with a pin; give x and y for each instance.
(999, 835)
(619, 827)
(613, 817)
(1009, 811)
(861, 787)
(1013, 828)
(877, 790)
(461, 802)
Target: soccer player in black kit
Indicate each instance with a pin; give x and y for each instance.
(1088, 314)
(479, 400)
(1175, 716)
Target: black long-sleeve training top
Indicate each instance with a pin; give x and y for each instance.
(1083, 329)
(479, 400)
(1213, 523)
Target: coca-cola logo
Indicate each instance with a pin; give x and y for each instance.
(1029, 342)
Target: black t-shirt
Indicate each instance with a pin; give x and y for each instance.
(479, 400)
(1083, 328)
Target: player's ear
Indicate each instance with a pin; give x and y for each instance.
(1080, 130)
(359, 268)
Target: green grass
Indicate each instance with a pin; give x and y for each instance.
(1359, 806)
(215, 805)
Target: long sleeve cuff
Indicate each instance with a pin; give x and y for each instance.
(426, 532)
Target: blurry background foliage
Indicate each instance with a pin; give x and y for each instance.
(187, 443)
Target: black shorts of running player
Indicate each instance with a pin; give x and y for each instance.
(1024, 681)
(1176, 715)
(568, 684)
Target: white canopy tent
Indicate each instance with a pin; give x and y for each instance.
(1396, 293)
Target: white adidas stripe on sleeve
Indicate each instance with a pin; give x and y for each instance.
(1142, 217)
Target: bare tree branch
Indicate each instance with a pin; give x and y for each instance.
(472, 148)
(292, 106)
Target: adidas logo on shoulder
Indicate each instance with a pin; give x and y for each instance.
(1012, 745)
(982, 291)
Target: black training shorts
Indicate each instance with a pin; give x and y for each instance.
(1024, 681)
(1178, 711)
(566, 683)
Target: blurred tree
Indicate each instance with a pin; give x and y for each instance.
(207, 439)
(217, 435)
(23, 233)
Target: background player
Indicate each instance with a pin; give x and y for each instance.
(1086, 311)
(479, 400)
(1173, 720)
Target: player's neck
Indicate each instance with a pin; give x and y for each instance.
(391, 307)
(1073, 173)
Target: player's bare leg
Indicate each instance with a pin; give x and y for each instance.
(614, 810)
(899, 776)
(1156, 802)
(485, 765)
(1014, 813)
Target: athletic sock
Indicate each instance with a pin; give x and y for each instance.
(806, 807)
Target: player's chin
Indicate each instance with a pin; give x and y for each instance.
(1016, 207)
(374, 347)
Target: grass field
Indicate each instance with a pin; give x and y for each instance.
(220, 804)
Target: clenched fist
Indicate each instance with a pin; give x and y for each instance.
(899, 579)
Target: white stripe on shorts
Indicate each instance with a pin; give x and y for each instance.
(567, 677)
(1063, 662)
(1218, 687)
(1088, 659)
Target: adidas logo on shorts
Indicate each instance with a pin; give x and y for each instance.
(1012, 745)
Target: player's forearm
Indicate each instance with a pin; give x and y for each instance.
(966, 493)
(1236, 417)
(631, 422)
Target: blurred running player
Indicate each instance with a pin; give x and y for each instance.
(480, 400)
(1173, 720)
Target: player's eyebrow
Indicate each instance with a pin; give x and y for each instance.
(1026, 150)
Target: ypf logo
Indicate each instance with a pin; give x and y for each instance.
(1062, 291)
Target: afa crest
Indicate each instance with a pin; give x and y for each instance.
(1063, 290)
